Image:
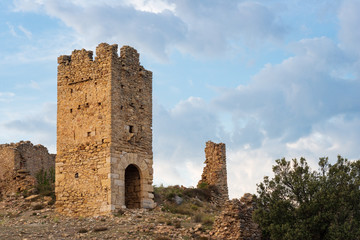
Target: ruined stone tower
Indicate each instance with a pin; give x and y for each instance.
(214, 173)
(104, 132)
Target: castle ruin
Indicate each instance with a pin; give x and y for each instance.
(214, 173)
(104, 132)
(19, 164)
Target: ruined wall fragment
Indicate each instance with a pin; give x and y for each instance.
(235, 221)
(19, 164)
(214, 173)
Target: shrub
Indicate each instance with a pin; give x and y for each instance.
(299, 203)
(46, 182)
(203, 185)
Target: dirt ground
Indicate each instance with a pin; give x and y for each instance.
(21, 219)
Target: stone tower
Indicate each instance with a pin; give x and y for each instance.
(214, 173)
(104, 132)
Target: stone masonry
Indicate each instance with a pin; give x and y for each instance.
(22, 161)
(235, 221)
(214, 173)
(104, 132)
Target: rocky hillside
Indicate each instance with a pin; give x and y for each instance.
(182, 213)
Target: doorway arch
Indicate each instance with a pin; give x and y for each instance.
(132, 187)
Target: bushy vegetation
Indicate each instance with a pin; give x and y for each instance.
(299, 203)
(45, 182)
(195, 202)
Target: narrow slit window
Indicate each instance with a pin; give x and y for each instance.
(70, 110)
(88, 134)
(131, 129)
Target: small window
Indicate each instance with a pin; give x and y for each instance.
(88, 134)
(76, 175)
(140, 90)
(86, 105)
(131, 129)
(122, 86)
(70, 110)
(99, 103)
(71, 90)
(121, 107)
(79, 106)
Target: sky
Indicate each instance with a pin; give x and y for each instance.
(270, 79)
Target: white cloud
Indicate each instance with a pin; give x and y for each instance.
(286, 99)
(39, 126)
(154, 6)
(349, 24)
(245, 168)
(27, 5)
(26, 32)
(12, 30)
(204, 29)
(6, 96)
(180, 135)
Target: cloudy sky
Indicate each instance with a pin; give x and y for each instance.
(271, 79)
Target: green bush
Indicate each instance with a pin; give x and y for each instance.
(299, 203)
(45, 182)
(203, 185)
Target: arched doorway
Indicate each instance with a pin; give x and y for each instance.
(132, 187)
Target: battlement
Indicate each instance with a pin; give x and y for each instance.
(128, 55)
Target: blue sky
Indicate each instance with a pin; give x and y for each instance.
(271, 79)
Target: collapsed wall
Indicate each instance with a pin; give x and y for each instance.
(235, 221)
(214, 173)
(19, 164)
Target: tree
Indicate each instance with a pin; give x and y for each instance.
(299, 203)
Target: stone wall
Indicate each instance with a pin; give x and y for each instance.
(7, 160)
(235, 221)
(104, 125)
(214, 173)
(20, 160)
